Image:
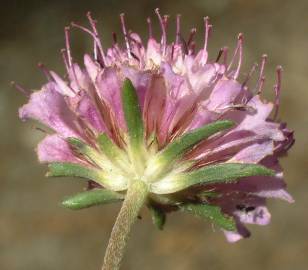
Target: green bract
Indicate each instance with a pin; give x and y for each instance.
(91, 198)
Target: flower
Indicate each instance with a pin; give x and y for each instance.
(165, 115)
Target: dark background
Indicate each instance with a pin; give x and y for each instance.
(35, 233)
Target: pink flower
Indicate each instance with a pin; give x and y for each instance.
(179, 91)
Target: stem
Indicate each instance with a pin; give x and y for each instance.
(134, 200)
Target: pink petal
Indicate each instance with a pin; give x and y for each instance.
(87, 111)
(141, 81)
(223, 94)
(257, 123)
(55, 149)
(254, 153)
(109, 87)
(61, 85)
(49, 107)
(153, 54)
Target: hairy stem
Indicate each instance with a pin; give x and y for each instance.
(134, 200)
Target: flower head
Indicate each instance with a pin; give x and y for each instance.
(164, 114)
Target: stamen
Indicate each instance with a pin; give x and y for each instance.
(263, 62)
(191, 36)
(114, 38)
(277, 89)
(64, 57)
(97, 41)
(21, 89)
(261, 84)
(93, 36)
(261, 79)
(178, 29)
(128, 48)
(249, 75)
(68, 46)
(192, 48)
(45, 71)
(183, 46)
(238, 50)
(208, 28)
(225, 56)
(150, 27)
(68, 69)
(172, 50)
(219, 55)
(40, 129)
(163, 29)
(69, 56)
(240, 46)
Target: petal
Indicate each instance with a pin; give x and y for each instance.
(87, 111)
(257, 122)
(223, 94)
(242, 232)
(49, 107)
(153, 54)
(53, 148)
(61, 85)
(254, 153)
(154, 102)
(79, 79)
(260, 216)
(109, 87)
(276, 194)
(141, 81)
(91, 67)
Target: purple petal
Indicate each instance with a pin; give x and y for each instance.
(260, 216)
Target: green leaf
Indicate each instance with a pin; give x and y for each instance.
(158, 217)
(180, 145)
(220, 173)
(91, 198)
(71, 169)
(132, 113)
(211, 212)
